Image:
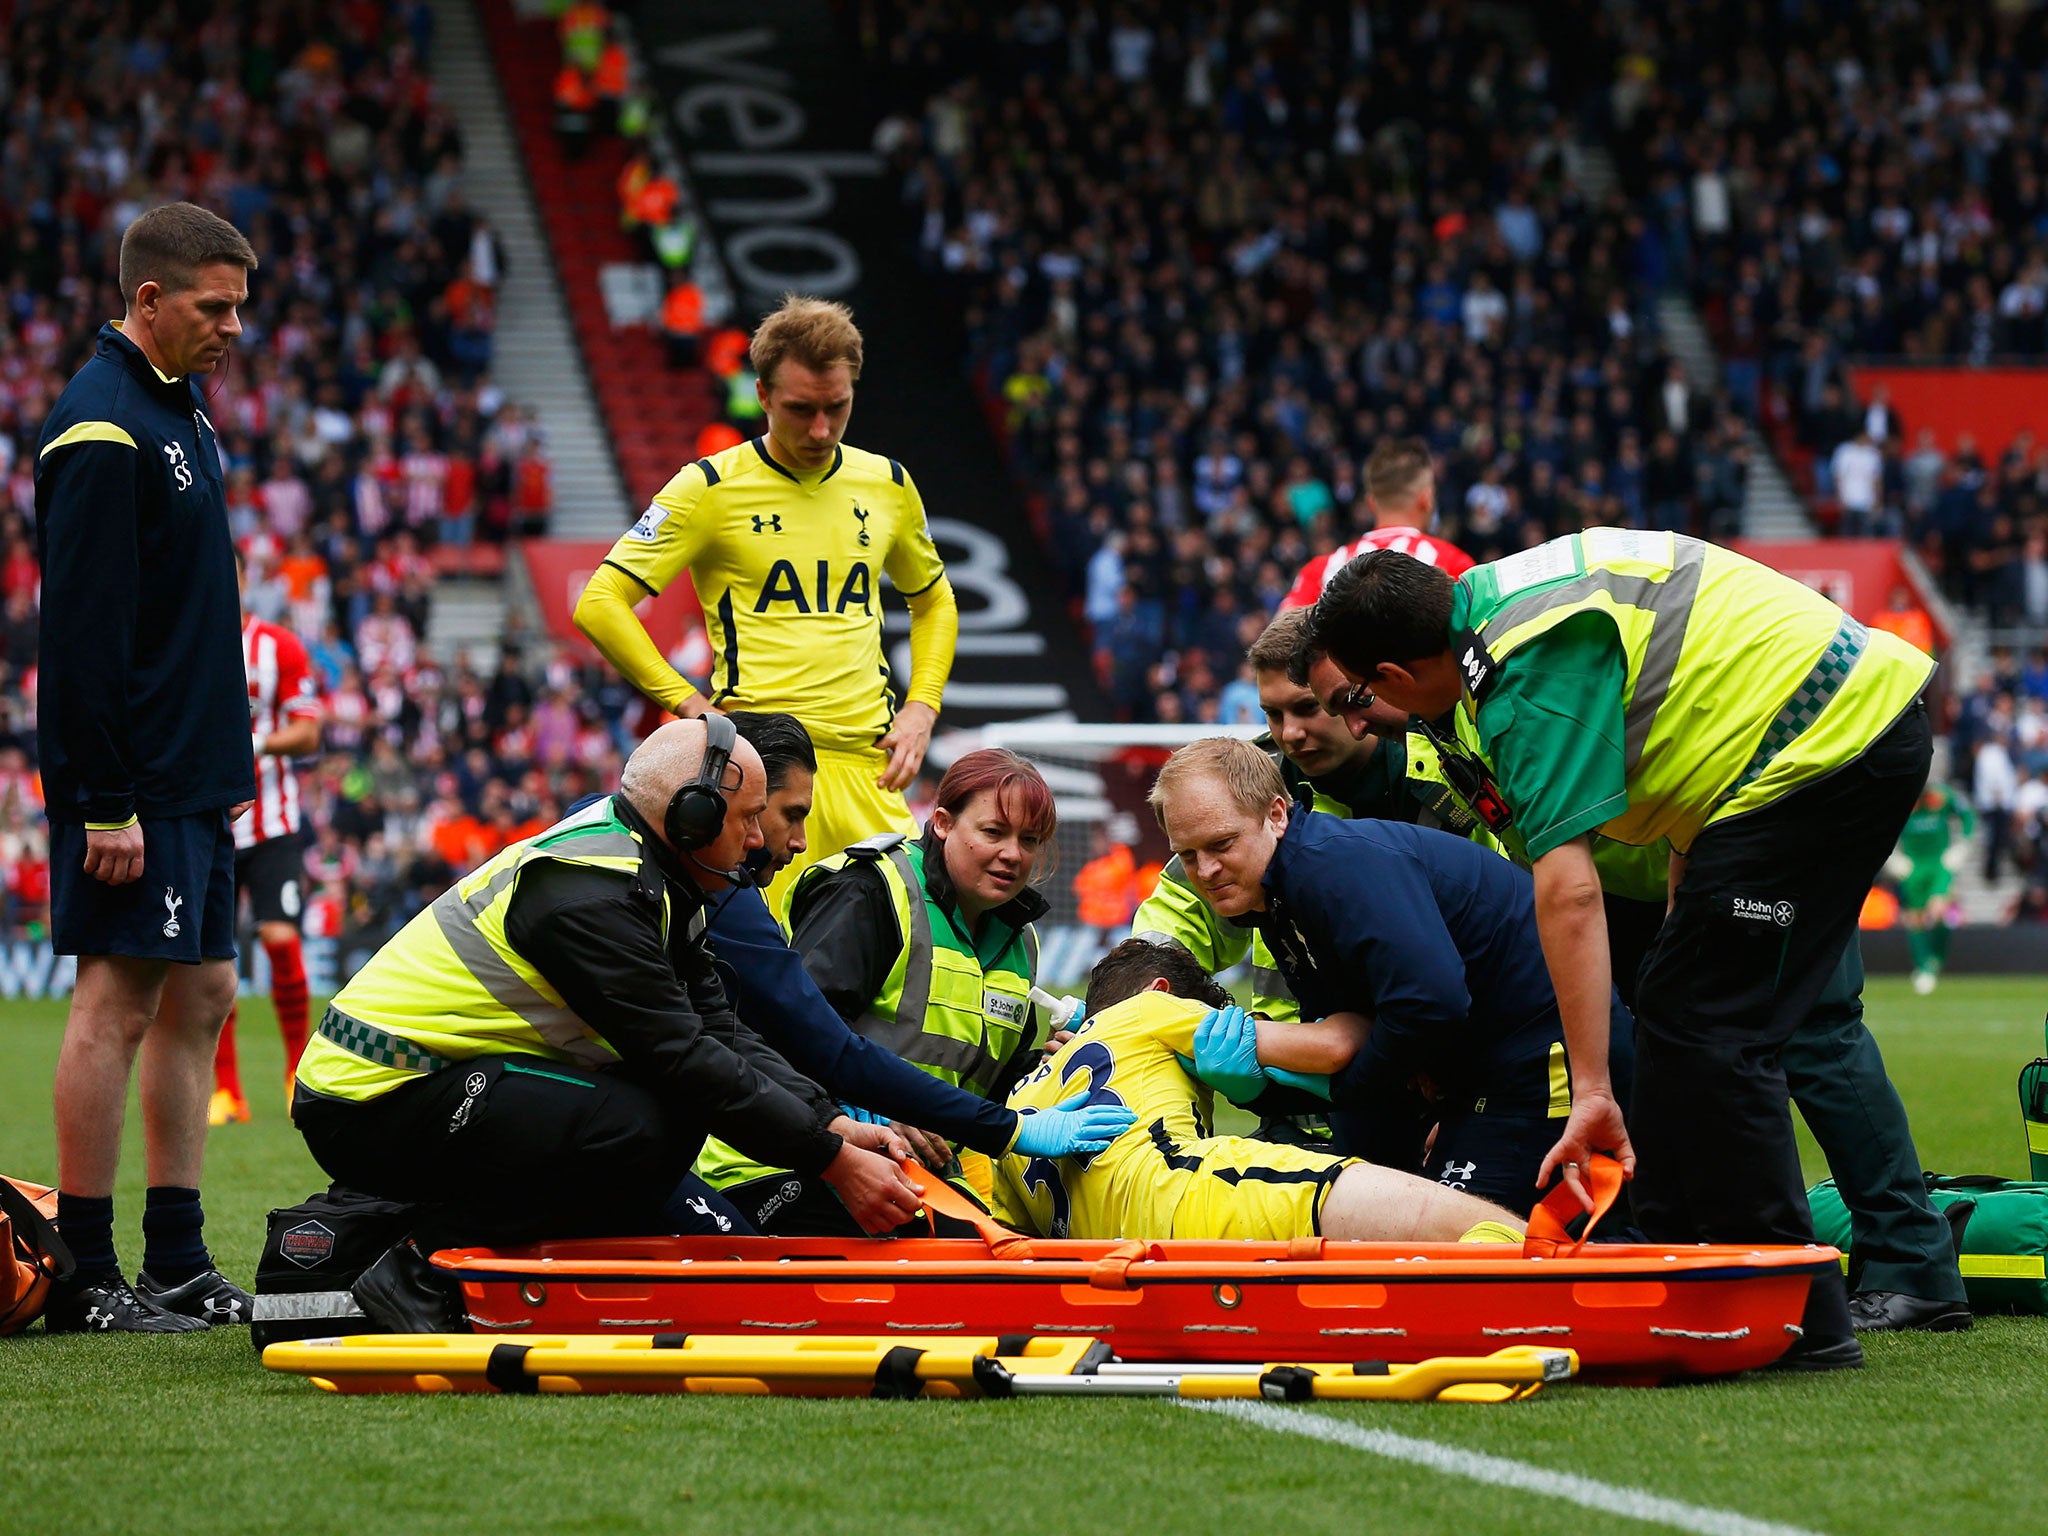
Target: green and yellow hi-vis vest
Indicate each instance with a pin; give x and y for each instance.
(1742, 683)
(449, 986)
(944, 1006)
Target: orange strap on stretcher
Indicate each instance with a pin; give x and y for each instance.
(1551, 1223)
(942, 1199)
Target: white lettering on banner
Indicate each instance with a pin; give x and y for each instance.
(812, 173)
(778, 121)
(979, 567)
(773, 250)
(716, 56)
(35, 970)
(837, 271)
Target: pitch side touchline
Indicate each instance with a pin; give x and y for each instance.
(1500, 1472)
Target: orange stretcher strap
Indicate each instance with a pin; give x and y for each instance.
(942, 1199)
(1551, 1223)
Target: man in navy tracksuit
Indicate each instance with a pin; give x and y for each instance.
(1429, 936)
(143, 731)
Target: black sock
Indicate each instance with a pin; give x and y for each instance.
(172, 1249)
(87, 1222)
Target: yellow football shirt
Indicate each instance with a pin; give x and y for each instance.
(788, 571)
(1124, 1054)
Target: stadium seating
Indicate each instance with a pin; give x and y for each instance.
(360, 469)
(654, 412)
(1203, 271)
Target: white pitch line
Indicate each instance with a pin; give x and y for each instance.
(1500, 1472)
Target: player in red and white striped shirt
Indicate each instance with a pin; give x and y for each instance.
(1400, 490)
(284, 723)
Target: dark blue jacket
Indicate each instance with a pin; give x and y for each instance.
(776, 998)
(1433, 938)
(143, 705)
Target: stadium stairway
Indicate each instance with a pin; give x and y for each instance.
(1771, 508)
(651, 412)
(536, 360)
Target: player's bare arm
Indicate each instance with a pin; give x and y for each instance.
(1324, 1045)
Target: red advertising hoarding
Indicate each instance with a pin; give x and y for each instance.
(560, 569)
(1991, 405)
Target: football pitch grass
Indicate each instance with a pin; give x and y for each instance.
(1945, 1433)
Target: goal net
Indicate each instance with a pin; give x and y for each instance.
(1099, 776)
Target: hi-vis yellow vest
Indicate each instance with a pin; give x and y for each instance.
(940, 1008)
(450, 985)
(1742, 683)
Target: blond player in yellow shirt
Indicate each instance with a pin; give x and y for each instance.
(787, 537)
(1170, 1176)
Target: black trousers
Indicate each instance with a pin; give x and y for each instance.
(509, 1149)
(1767, 907)
(1836, 1074)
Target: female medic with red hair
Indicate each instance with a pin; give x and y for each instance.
(927, 947)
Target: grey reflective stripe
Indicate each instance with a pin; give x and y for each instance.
(963, 1057)
(903, 1033)
(1154, 936)
(304, 1306)
(917, 965)
(1031, 953)
(554, 1023)
(1669, 601)
(1268, 982)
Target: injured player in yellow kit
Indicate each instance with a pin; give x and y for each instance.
(1169, 1176)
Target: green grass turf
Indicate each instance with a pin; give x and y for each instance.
(96, 1434)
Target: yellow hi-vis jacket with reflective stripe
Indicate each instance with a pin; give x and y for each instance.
(1742, 683)
(449, 983)
(940, 1009)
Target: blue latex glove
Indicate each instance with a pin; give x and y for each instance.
(1317, 1083)
(1227, 1054)
(1076, 1127)
(862, 1116)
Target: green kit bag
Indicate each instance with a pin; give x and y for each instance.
(2034, 1110)
(2001, 1233)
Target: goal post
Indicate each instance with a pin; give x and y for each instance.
(1099, 776)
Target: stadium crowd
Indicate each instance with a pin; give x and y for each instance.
(1206, 264)
(1831, 192)
(1207, 260)
(366, 448)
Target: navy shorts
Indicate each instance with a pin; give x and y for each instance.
(182, 908)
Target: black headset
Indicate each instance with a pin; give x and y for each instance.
(696, 812)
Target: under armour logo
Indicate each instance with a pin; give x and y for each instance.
(769, 524)
(172, 901)
(95, 1318)
(180, 470)
(860, 513)
(1455, 1174)
(225, 1309)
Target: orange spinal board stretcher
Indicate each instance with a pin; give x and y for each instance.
(1632, 1312)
